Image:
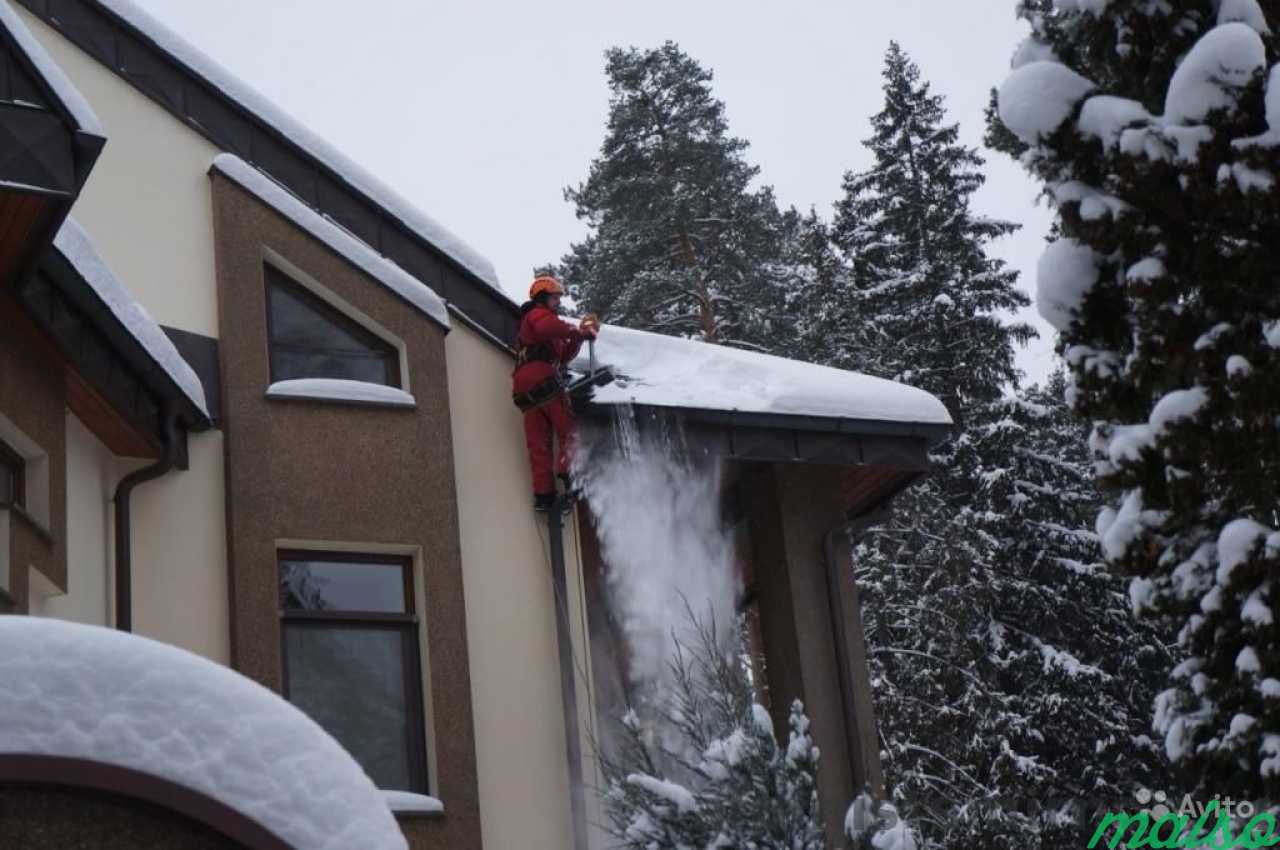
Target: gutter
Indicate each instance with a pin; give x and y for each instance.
(169, 456)
(854, 529)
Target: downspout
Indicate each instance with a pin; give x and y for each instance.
(568, 684)
(854, 529)
(124, 552)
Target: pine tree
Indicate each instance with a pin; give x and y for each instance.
(1154, 127)
(1012, 683)
(922, 301)
(711, 774)
(680, 242)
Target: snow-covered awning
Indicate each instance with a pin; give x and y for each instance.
(50, 139)
(68, 97)
(114, 698)
(166, 364)
(667, 372)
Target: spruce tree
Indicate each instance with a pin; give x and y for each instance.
(1155, 129)
(710, 773)
(922, 301)
(680, 241)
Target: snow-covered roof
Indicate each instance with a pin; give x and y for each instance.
(341, 241)
(70, 97)
(258, 105)
(664, 371)
(85, 692)
(76, 246)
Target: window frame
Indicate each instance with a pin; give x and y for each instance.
(274, 277)
(16, 465)
(408, 624)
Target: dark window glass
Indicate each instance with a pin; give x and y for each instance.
(12, 477)
(311, 339)
(351, 680)
(351, 658)
(322, 585)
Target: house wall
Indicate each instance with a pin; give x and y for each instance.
(511, 613)
(32, 422)
(90, 481)
(332, 475)
(149, 188)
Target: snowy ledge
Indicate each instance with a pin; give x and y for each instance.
(341, 392)
(408, 804)
(85, 692)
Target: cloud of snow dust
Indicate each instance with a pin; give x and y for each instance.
(664, 546)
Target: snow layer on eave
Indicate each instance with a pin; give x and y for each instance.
(74, 102)
(343, 243)
(90, 693)
(251, 100)
(74, 244)
(665, 371)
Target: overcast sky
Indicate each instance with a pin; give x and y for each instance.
(482, 112)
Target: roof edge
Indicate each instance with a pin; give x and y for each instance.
(355, 251)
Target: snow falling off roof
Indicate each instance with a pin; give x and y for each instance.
(91, 693)
(74, 244)
(665, 371)
(360, 179)
(67, 93)
(342, 242)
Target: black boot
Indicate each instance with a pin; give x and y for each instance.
(571, 492)
(544, 502)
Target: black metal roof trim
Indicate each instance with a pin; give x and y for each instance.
(102, 348)
(229, 125)
(202, 353)
(812, 424)
(779, 438)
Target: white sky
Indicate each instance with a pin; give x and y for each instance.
(482, 112)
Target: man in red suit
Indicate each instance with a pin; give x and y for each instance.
(545, 345)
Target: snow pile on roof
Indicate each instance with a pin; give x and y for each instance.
(665, 371)
(354, 174)
(68, 94)
(336, 389)
(86, 692)
(74, 244)
(341, 241)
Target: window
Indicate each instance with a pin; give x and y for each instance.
(13, 484)
(310, 338)
(351, 658)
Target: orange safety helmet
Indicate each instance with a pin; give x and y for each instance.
(545, 284)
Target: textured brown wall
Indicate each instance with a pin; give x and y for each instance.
(32, 396)
(334, 472)
(46, 818)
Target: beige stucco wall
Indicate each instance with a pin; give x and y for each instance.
(515, 674)
(180, 554)
(148, 209)
(90, 480)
